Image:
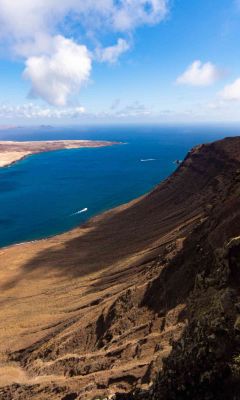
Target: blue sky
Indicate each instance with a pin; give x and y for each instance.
(125, 61)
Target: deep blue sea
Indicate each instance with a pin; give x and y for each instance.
(42, 194)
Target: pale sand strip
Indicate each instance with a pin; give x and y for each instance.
(9, 158)
(10, 151)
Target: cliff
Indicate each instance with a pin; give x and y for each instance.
(141, 302)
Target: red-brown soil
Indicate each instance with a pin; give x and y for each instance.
(95, 311)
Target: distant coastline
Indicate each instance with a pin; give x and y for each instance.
(13, 151)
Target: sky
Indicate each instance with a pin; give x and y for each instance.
(119, 61)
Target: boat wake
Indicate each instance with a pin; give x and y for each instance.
(148, 159)
(81, 211)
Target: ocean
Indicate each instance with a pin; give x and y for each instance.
(50, 193)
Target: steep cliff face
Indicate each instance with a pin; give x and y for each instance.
(204, 362)
(142, 302)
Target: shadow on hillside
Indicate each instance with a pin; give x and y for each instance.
(124, 232)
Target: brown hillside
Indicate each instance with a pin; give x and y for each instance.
(94, 312)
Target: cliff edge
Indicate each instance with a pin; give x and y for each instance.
(140, 302)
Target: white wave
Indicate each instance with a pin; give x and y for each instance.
(177, 162)
(147, 159)
(81, 211)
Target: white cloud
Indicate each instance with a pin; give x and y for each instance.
(199, 74)
(36, 31)
(54, 77)
(112, 53)
(130, 14)
(231, 91)
(135, 109)
(45, 15)
(31, 111)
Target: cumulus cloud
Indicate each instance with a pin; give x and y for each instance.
(232, 91)
(199, 74)
(39, 31)
(32, 111)
(54, 77)
(129, 14)
(45, 15)
(112, 53)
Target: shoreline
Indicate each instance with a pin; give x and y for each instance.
(12, 151)
(75, 229)
(11, 163)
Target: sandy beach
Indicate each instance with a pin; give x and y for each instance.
(11, 152)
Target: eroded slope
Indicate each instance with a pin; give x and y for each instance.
(95, 311)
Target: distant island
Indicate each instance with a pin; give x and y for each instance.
(11, 152)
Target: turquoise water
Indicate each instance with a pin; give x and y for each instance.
(41, 195)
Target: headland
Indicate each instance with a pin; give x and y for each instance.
(11, 151)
